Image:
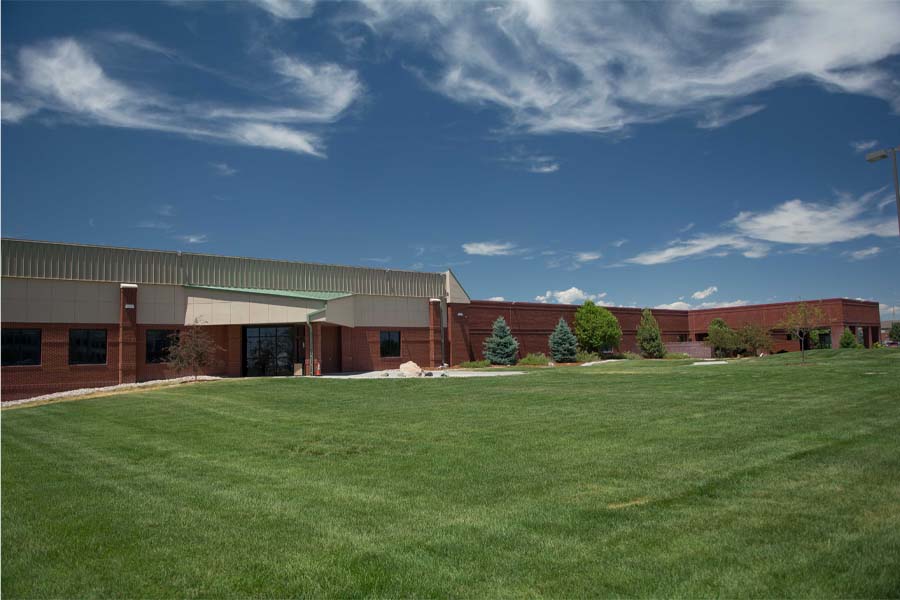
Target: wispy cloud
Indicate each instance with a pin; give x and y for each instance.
(602, 66)
(194, 238)
(864, 253)
(165, 210)
(686, 228)
(154, 224)
(795, 222)
(573, 295)
(490, 248)
(378, 259)
(701, 294)
(64, 77)
(533, 163)
(717, 117)
(287, 9)
(619, 243)
(223, 169)
(863, 145)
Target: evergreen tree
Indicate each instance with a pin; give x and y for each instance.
(563, 344)
(596, 328)
(649, 338)
(894, 334)
(501, 348)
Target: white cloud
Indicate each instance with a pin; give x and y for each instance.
(223, 169)
(701, 294)
(194, 238)
(64, 76)
(794, 222)
(619, 243)
(864, 253)
(602, 66)
(718, 117)
(165, 210)
(863, 145)
(686, 228)
(584, 257)
(533, 163)
(497, 299)
(544, 168)
(799, 222)
(14, 112)
(573, 295)
(705, 245)
(680, 305)
(490, 248)
(287, 9)
(889, 312)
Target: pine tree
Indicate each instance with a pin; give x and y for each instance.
(501, 348)
(649, 338)
(563, 344)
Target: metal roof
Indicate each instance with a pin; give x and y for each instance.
(53, 260)
(306, 295)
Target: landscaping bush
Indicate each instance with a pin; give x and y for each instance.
(677, 356)
(596, 328)
(630, 356)
(848, 340)
(583, 357)
(501, 348)
(563, 344)
(475, 364)
(535, 359)
(649, 338)
(722, 339)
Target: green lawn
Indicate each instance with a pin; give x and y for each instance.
(640, 478)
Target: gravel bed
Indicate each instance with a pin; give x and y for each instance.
(111, 388)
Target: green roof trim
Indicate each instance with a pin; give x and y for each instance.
(324, 296)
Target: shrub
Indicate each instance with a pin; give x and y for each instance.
(677, 356)
(894, 333)
(722, 339)
(501, 348)
(563, 344)
(848, 340)
(535, 359)
(649, 338)
(475, 364)
(754, 338)
(596, 328)
(583, 357)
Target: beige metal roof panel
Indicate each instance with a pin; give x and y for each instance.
(51, 260)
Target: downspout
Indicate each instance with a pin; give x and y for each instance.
(310, 366)
(443, 326)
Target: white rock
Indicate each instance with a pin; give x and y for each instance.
(410, 369)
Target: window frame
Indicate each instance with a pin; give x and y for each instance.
(168, 335)
(382, 341)
(105, 347)
(40, 346)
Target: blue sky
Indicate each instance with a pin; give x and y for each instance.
(692, 154)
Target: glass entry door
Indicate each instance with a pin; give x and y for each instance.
(268, 351)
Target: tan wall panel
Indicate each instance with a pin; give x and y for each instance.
(377, 311)
(51, 301)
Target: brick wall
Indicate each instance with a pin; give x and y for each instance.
(361, 348)
(227, 362)
(55, 374)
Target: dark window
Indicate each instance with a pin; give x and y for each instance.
(21, 347)
(158, 343)
(390, 344)
(87, 346)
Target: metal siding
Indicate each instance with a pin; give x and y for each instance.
(48, 260)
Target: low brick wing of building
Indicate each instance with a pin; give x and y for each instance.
(77, 316)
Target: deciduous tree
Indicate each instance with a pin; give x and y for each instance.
(596, 329)
(193, 349)
(800, 320)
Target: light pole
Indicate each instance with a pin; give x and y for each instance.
(878, 155)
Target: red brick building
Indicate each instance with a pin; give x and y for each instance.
(87, 316)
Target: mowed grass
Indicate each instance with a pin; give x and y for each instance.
(641, 478)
